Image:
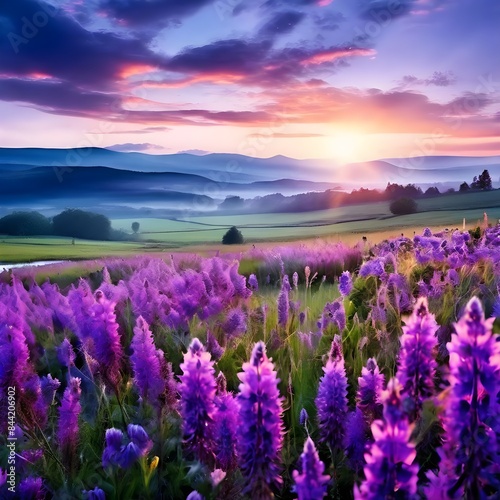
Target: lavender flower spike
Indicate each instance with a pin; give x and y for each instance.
(370, 386)
(147, 363)
(197, 391)
(472, 414)
(225, 427)
(260, 436)
(345, 283)
(283, 304)
(310, 484)
(69, 412)
(389, 470)
(417, 366)
(331, 400)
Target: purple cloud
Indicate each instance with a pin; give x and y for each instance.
(282, 23)
(151, 12)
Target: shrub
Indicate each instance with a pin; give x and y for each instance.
(403, 206)
(232, 237)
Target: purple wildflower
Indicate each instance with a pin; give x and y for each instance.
(389, 469)
(310, 483)
(345, 283)
(107, 344)
(370, 386)
(213, 346)
(147, 363)
(331, 400)
(15, 367)
(124, 455)
(417, 366)
(295, 280)
(67, 433)
(283, 304)
(65, 353)
(194, 495)
(225, 427)
(260, 435)
(114, 444)
(235, 324)
(355, 439)
(302, 317)
(334, 313)
(31, 488)
(252, 281)
(472, 408)
(374, 267)
(197, 391)
(303, 417)
(95, 494)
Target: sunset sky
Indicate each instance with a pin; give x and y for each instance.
(347, 80)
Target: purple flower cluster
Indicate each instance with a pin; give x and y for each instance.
(345, 283)
(472, 417)
(417, 366)
(69, 412)
(333, 314)
(331, 400)
(260, 433)
(225, 427)
(147, 363)
(389, 469)
(310, 482)
(123, 452)
(197, 390)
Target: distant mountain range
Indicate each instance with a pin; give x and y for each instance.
(50, 179)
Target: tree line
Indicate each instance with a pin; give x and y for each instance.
(72, 222)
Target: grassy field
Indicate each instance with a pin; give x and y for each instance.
(203, 234)
(14, 249)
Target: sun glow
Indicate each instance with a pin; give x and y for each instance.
(345, 146)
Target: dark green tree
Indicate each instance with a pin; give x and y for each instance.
(232, 237)
(464, 187)
(403, 206)
(25, 224)
(135, 227)
(81, 224)
(484, 181)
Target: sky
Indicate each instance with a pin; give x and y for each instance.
(345, 80)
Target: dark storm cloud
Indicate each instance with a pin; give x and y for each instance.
(62, 49)
(57, 97)
(232, 56)
(281, 23)
(151, 12)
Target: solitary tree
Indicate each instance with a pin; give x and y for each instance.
(403, 206)
(232, 237)
(135, 227)
(484, 181)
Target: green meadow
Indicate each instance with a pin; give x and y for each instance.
(348, 223)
